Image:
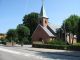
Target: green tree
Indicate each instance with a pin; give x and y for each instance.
(71, 24)
(59, 32)
(31, 21)
(23, 33)
(11, 35)
(78, 33)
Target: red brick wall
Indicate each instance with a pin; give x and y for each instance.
(39, 33)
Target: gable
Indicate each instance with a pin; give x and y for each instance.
(39, 31)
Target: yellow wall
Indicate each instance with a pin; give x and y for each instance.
(2, 36)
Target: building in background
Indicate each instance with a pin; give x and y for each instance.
(2, 36)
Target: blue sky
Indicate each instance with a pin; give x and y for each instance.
(12, 11)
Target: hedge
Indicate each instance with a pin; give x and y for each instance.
(61, 47)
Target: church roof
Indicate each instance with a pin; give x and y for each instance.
(43, 12)
(47, 31)
(52, 27)
(50, 31)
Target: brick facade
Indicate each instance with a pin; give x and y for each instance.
(40, 34)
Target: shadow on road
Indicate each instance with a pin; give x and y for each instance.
(71, 55)
(60, 55)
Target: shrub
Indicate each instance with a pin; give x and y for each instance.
(3, 41)
(73, 47)
(77, 44)
(62, 47)
(56, 42)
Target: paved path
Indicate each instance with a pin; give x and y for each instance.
(27, 52)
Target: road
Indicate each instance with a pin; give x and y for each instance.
(28, 53)
(8, 56)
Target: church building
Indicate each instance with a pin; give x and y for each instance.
(44, 31)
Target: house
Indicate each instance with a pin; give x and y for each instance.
(71, 39)
(2, 36)
(44, 31)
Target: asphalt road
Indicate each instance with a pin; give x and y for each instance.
(22, 53)
(8, 56)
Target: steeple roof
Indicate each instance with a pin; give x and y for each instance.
(43, 12)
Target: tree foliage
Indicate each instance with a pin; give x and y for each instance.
(71, 24)
(78, 33)
(11, 35)
(31, 21)
(23, 33)
(79, 27)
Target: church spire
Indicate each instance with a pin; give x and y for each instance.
(43, 12)
(43, 19)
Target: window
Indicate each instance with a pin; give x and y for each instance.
(45, 21)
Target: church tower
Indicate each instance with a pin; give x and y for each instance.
(43, 32)
(43, 19)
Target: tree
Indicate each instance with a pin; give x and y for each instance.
(11, 35)
(70, 25)
(59, 32)
(23, 33)
(31, 21)
(78, 33)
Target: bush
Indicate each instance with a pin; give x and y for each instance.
(3, 41)
(0, 42)
(73, 47)
(49, 46)
(56, 42)
(77, 44)
(62, 47)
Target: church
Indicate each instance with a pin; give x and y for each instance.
(44, 31)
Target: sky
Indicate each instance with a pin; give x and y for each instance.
(13, 11)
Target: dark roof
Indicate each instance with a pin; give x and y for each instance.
(52, 27)
(2, 34)
(48, 31)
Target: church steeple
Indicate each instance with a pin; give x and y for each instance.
(43, 12)
(43, 19)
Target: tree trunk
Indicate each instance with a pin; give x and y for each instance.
(12, 43)
(21, 44)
